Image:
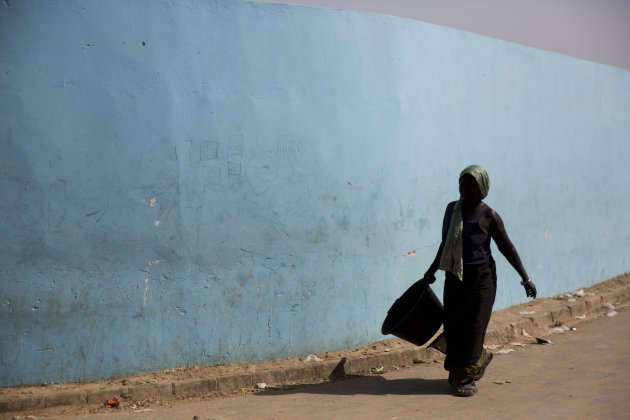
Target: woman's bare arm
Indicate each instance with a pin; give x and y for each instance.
(497, 231)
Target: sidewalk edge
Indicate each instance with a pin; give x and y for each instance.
(560, 312)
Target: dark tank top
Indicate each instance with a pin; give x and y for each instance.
(476, 243)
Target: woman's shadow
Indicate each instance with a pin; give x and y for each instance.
(342, 384)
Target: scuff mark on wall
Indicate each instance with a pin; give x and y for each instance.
(146, 282)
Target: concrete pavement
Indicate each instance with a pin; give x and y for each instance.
(584, 374)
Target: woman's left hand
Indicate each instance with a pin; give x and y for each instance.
(530, 288)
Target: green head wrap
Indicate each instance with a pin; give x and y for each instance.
(452, 252)
(481, 176)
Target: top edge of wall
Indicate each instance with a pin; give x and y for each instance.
(411, 21)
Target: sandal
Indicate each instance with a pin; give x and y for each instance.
(482, 370)
(466, 390)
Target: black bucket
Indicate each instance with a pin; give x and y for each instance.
(416, 315)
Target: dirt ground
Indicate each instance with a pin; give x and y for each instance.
(583, 374)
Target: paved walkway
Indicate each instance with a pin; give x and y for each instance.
(584, 374)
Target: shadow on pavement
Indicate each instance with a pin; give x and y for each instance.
(368, 385)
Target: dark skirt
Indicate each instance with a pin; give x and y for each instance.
(467, 309)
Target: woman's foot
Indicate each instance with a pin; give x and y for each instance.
(466, 390)
(482, 370)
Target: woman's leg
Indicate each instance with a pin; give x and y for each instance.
(481, 307)
(467, 309)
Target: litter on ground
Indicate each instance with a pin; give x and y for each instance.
(576, 293)
(561, 329)
(378, 370)
(492, 346)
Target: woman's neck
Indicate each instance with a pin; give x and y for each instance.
(470, 206)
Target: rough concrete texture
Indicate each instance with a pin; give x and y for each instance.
(536, 318)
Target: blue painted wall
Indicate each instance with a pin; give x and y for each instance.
(192, 182)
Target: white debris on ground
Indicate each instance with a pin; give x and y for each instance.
(505, 351)
(527, 312)
(261, 385)
(525, 333)
(560, 329)
(516, 344)
(492, 347)
(312, 358)
(581, 293)
(574, 294)
(611, 310)
(581, 317)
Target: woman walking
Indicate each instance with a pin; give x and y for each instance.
(471, 280)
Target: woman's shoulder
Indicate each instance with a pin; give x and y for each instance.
(449, 210)
(489, 211)
(451, 205)
(486, 207)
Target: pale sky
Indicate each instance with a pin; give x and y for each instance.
(594, 30)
